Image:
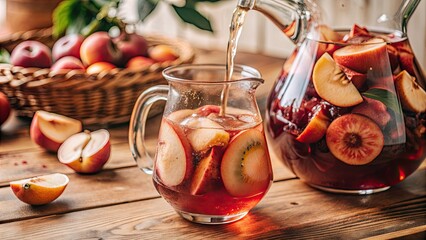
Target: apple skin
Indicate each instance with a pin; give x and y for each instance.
(162, 53)
(99, 67)
(375, 110)
(31, 54)
(41, 139)
(99, 47)
(131, 45)
(67, 63)
(139, 62)
(4, 108)
(316, 128)
(68, 45)
(94, 163)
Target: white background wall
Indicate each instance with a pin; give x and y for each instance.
(259, 34)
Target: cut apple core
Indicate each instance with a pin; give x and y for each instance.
(57, 127)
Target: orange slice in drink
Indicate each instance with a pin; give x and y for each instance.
(40, 190)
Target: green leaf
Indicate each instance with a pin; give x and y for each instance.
(63, 16)
(386, 97)
(4, 56)
(190, 15)
(145, 8)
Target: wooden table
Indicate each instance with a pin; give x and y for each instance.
(121, 201)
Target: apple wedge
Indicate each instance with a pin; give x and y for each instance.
(412, 96)
(205, 134)
(316, 128)
(179, 115)
(86, 152)
(246, 168)
(362, 57)
(331, 83)
(207, 172)
(50, 130)
(174, 160)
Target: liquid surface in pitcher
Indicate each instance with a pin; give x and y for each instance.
(225, 169)
(348, 112)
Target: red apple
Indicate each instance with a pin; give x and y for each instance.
(68, 45)
(31, 54)
(4, 108)
(50, 130)
(371, 54)
(67, 63)
(99, 47)
(99, 67)
(139, 62)
(86, 152)
(162, 53)
(373, 109)
(131, 45)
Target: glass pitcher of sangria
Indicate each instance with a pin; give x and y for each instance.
(348, 111)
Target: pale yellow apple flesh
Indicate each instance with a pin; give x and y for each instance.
(332, 85)
(412, 96)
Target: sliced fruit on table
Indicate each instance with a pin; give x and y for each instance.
(205, 134)
(331, 83)
(207, 172)
(369, 55)
(354, 139)
(86, 152)
(40, 190)
(245, 167)
(412, 96)
(50, 130)
(316, 128)
(174, 156)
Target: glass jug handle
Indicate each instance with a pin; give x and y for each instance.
(405, 11)
(138, 122)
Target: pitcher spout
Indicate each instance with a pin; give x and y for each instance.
(292, 17)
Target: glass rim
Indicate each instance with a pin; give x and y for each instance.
(257, 77)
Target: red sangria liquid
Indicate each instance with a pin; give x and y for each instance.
(348, 112)
(212, 165)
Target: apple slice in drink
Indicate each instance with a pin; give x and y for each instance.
(245, 167)
(316, 128)
(369, 55)
(50, 130)
(180, 115)
(174, 158)
(86, 152)
(206, 133)
(207, 172)
(412, 96)
(331, 83)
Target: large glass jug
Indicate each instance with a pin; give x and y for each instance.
(347, 113)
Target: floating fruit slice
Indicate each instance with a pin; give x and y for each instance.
(315, 129)
(332, 85)
(180, 115)
(354, 139)
(413, 97)
(173, 161)
(364, 56)
(206, 172)
(245, 167)
(40, 190)
(206, 133)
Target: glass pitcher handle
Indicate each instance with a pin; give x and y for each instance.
(138, 122)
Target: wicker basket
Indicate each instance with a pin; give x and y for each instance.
(105, 98)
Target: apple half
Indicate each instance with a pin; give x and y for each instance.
(86, 152)
(50, 130)
(332, 85)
